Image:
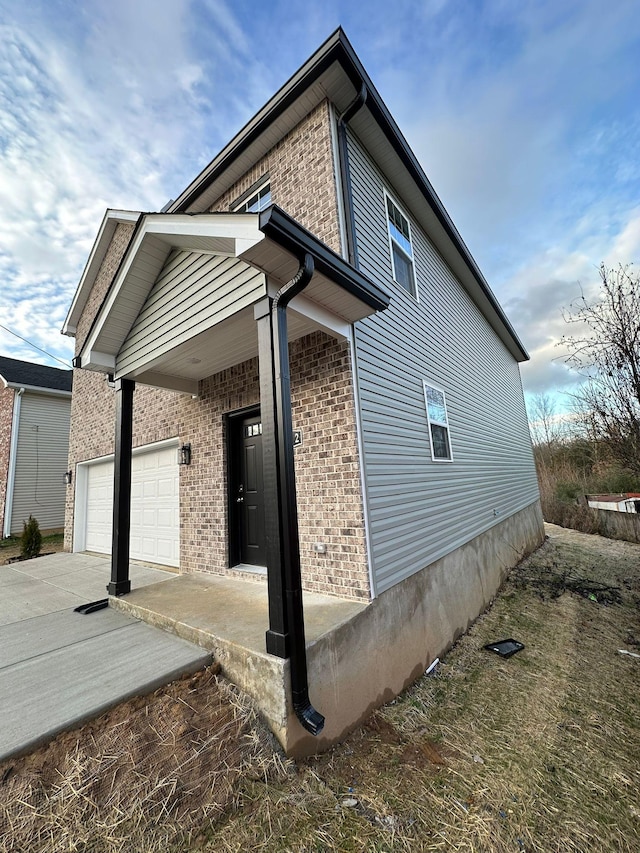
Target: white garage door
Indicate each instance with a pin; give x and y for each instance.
(155, 517)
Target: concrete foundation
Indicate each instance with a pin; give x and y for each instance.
(359, 656)
(372, 658)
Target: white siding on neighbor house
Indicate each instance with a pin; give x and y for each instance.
(420, 509)
(192, 293)
(41, 460)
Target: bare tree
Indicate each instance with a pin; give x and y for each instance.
(606, 351)
(543, 420)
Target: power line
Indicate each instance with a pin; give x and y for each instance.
(66, 363)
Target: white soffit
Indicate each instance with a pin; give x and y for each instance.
(279, 264)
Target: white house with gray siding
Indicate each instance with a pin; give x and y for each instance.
(35, 410)
(307, 285)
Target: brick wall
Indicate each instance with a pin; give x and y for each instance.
(327, 472)
(302, 178)
(329, 492)
(6, 416)
(327, 468)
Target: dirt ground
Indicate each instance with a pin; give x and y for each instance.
(539, 752)
(10, 548)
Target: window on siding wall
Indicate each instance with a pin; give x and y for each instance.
(438, 424)
(401, 248)
(257, 201)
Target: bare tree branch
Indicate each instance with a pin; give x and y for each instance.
(607, 354)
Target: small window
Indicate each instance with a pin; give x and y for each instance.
(401, 248)
(438, 424)
(257, 201)
(252, 429)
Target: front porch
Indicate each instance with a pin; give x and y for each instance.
(195, 300)
(229, 617)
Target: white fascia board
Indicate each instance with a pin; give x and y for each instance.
(119, 282)
(111, 219)
(237, 226)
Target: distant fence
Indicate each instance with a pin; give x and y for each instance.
(619, 525)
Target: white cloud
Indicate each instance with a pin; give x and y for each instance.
(524, 116)
(110, 113)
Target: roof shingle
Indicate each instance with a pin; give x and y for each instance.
(16, 372)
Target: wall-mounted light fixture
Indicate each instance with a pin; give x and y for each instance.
(68, 477)
(184, 454)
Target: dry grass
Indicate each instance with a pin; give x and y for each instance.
(540, 752)
(152, 773)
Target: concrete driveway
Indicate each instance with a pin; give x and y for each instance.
(58, 667)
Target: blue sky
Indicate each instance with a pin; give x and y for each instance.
(524, 115)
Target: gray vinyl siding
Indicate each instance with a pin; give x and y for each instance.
(192, 293)
(420, 510)
(41, 460)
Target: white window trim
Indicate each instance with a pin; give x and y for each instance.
(414, 292)
(445, 423)
(241, 205)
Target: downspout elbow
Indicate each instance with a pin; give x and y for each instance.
(297, 284)
(358, 102)
(309, 718)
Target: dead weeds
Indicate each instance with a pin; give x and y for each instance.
(152, 772)
(540, 752)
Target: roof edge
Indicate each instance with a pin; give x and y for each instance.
(286, 232)
(110, 220)
(300, 80)
(337, 47)
(39, 389)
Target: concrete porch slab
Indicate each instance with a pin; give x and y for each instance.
(206, 608)
(229, 618)
(61, 669)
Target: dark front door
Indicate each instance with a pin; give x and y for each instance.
(247, 493)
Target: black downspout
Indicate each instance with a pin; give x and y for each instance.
(345, 173)
(310, 719)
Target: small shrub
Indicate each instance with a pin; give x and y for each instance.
(568, 492)
(31, 540)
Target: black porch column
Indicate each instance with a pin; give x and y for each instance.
(277, 636)
(120, 583)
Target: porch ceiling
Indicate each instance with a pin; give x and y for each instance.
(221, 346)
(180, 307)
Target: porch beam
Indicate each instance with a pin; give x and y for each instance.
(120, 583)
(277, 636)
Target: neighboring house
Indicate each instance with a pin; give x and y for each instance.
(624, 502)
(415, 480)
(35, 407)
